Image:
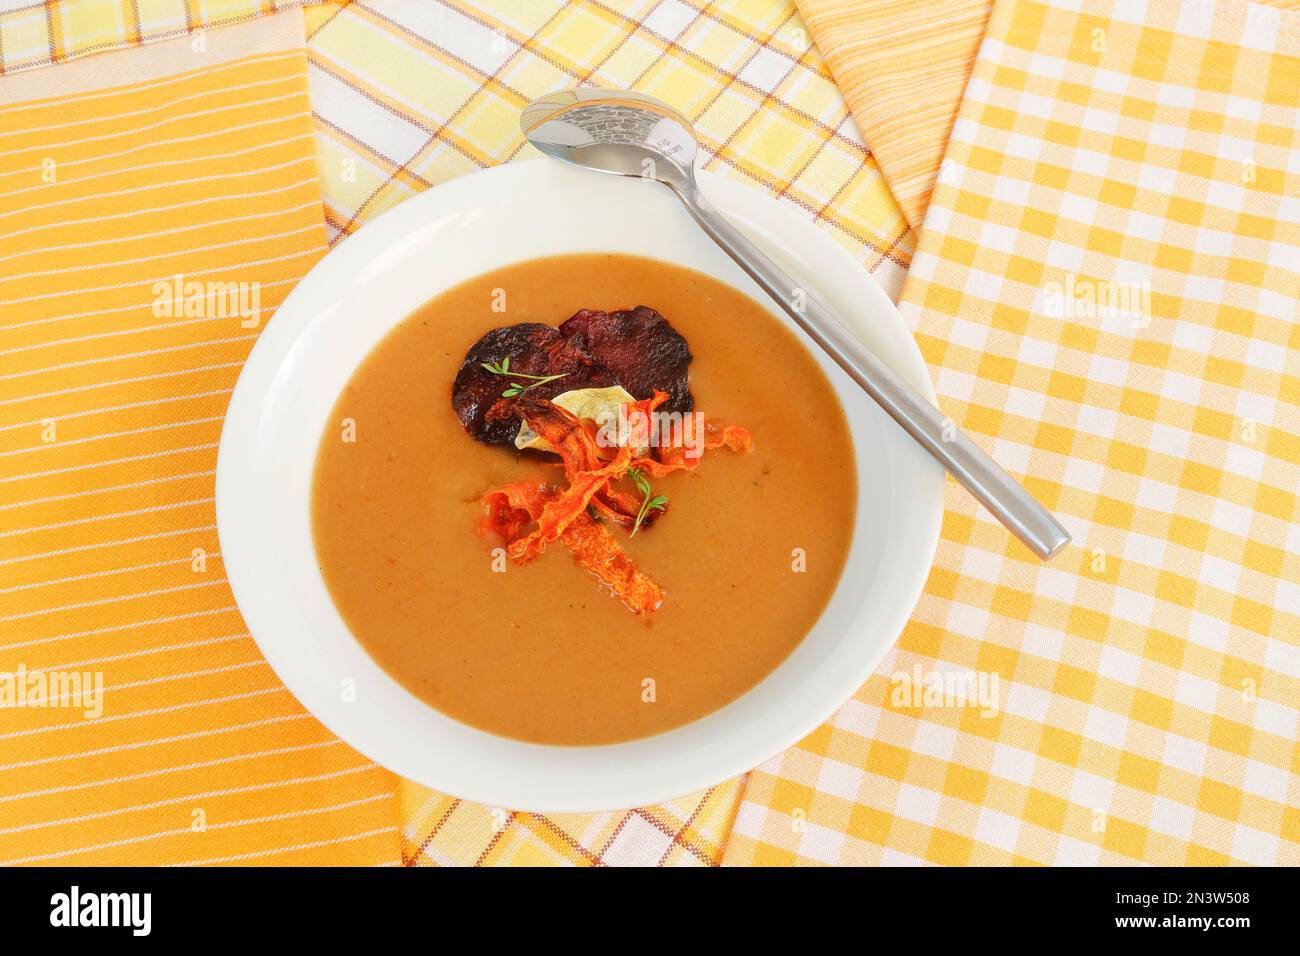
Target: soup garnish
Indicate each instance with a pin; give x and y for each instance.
(610, 443)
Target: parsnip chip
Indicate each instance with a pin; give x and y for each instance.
(600, 405)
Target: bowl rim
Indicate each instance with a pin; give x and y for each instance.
(780, 230)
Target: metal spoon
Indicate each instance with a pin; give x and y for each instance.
(631, 134)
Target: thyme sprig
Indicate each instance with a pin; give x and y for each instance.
(517, 388)
(649, 501)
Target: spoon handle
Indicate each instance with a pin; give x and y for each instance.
(1005, 498)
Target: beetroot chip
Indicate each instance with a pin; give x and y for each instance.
(640, 348)
(533, 349)
(635, 348)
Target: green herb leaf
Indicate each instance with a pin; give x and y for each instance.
(516, 388)
(648, 503)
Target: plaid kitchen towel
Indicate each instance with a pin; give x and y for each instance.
(138, 722)
(43, 32)
(1107, 288)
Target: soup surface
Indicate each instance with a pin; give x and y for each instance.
(748, 553)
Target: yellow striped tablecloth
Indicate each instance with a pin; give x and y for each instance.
(902, 65)
(1107, 290)
(125, 179)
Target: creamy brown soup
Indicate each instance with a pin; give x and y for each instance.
(748, 554)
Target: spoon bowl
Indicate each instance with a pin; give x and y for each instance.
(628, 134)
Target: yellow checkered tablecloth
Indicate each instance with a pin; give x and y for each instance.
(1149, 676)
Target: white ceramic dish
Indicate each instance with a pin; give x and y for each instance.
(368, 284)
